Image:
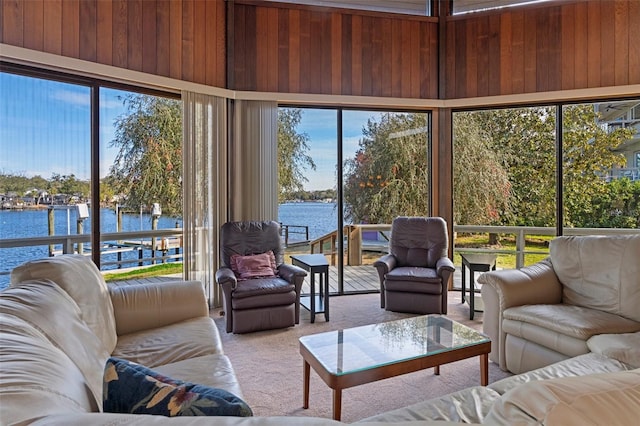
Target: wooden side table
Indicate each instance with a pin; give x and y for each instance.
(315, 264)
(475, 263)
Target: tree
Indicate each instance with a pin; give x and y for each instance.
(388, 174)
(481, 187)
(292, 153)
(148, 166)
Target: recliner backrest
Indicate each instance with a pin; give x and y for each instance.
(419, 241)
(254, 237)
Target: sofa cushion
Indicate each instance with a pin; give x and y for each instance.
(36, 378)
(622, 347)
(210, 370)
(590, 363)
(51, 310)
(597, 399)
(469, 405)
(599, 272)
(569, 320)
(171, 343)
(81, 279)
(133, 388)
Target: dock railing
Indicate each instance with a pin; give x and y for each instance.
(162, 245)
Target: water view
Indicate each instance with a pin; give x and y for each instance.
(321, 218)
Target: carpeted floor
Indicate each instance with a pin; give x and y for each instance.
(269, 366)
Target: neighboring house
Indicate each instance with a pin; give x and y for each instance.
(625, 114)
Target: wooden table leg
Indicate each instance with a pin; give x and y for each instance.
(305, 379)
(337, 404)
(436, 370)
(484, 369)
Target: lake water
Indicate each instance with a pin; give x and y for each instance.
(320, 217)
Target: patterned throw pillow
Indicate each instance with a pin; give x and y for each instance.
(133, 389)
(254, 266)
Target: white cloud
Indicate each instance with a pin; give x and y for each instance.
(72, 97)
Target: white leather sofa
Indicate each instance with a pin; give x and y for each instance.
(59, 322)
(544, 313)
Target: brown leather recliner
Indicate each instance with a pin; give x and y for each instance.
(415, 274)
(261, 303)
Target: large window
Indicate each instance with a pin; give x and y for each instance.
(344, 175)
(507, 195)
(49, 196)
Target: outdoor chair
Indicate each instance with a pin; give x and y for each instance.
(414, 276)
(260, 291)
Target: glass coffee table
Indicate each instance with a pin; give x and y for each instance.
(359, 355)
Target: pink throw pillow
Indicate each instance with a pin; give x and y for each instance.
(254, 266)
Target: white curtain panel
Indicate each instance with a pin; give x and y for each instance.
(204, 186)
(254, 161)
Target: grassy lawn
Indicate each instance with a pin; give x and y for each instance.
(143, 272)
(507, 242)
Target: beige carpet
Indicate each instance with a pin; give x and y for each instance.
(269, 366)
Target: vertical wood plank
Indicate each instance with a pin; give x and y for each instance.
(542, 51)
(621, 42)
(471, 54)
(415, 59)
(634, 47)
(239, 48)
(305, 51)
(119, 24)
(34, 25)
(433, 55)
(376, 56)
(356, 55)
(593, 44)
(607, 46)
(163, 49)
(71, 28)
(385, 43)
(555, 50)
(104, 32)
(52, 42)
(568, 46)
(406, 59)
(261, 52)
(506, 43)
(294, 49)
(336, 53)
(221, 44)
(199, 41)
(13, 22)
(283, 49)
(494, 55)
(530, 51)
(346, 60)
(272, 48)
(517, 52)
(326, 53)
(188, 35)
(483, 55)
(149, 36)
(587, 46)
(175, 39)
(367, 62)
(396, 58)
(88, 30)
(460, 79)
(134, 35)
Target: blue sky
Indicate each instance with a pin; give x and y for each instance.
(45, 129)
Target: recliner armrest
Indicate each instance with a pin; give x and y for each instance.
(152, 305)
(384, 264)
(291, 273)
(531, 285)
(444, 264)
(226, 277)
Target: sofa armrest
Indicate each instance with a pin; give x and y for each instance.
(531, 285)
(292, 274)
(147, 306)
(383, 265)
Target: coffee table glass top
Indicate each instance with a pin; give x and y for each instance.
(371, 346)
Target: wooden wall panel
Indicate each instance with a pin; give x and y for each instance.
(183, 39)
(543, 47)
(337, 52)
